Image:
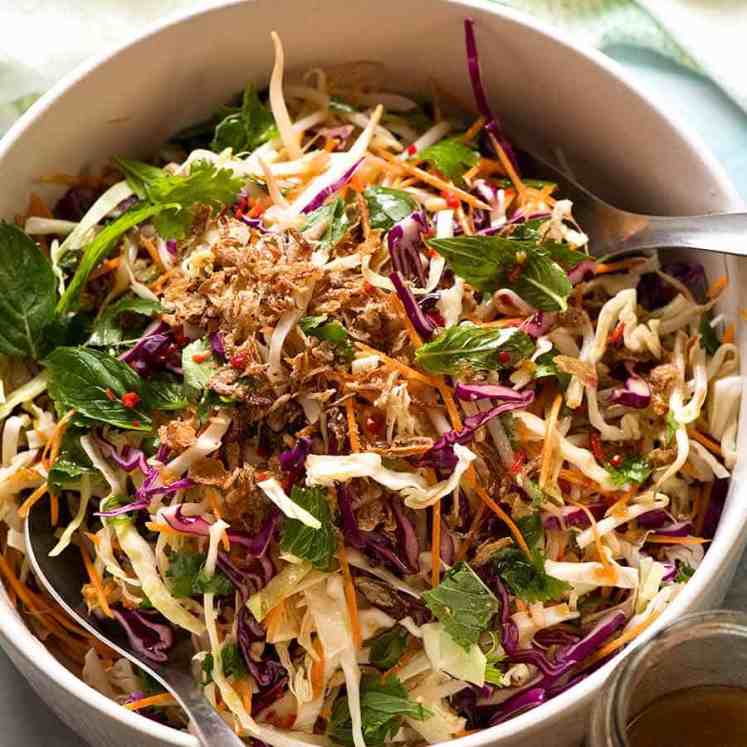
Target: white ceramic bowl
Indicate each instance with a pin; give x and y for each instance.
(128, 101)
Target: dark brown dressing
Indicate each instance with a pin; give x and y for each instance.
(698, 717)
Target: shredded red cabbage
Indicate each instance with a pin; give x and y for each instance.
(146, 631)
(422, 323)
(217, 345)
(582, 271)
(319, 199)
(474, 392)
(538, 324)
(570, 516)
(154, 351)
(247, 581)
(636, 393)
(406, 536)
(404, 239)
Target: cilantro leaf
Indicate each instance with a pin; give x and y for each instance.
(525, 577)
(388, 647)
(231, 660)
(93, 382)
(467, 346)
(107, 329)
(492, 262)
(247, 128)
(329, 224)
(635, 469)
(451, 157)
(315, 545)
(384, 703)
(334, 332)
(708, 338)
(28, 290)
(463, 604)
(205, 184)
(105, 241)
(387, 206)
(198, 364)
(187, 576)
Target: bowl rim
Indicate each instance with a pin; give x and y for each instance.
(15, 633)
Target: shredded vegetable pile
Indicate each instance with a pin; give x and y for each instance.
(333, 389)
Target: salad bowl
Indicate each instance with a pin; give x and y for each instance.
(571, 101)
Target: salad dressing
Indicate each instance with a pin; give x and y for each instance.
(711, 715)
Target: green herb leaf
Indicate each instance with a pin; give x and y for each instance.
(634, 469)
(231, 660)
(463, 604)
(388, 647)
(164, 393)
(315, 545)
(103, 244)
(684, 573)
(708, 338)
(672, 426)
(535, 493)
(492, 262)
(545, 367)
(387, 206)
(107, 329)
(199, 365)
(384, 703)
(532, 530)
(467, 346)
(27, 294)
(93, 383)
(451, 157)
(334, 332)
(329, 224)
(247, 129)
(187, 577)
(205, 184)
(527, 578)
(71, 463)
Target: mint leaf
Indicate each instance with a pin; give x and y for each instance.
(545, 367)
(205, 184)
(329, 224)
(107, 329)
(525, 577)
(451, 157)
(187, 577)
(28, 291)
(387, 647)
(634, 469)
(684, 573)
(231, 660)
(198, 364)
(468, 346)
(708, 338)
(387, 206)
(246, 129)
(105, 241)
(463, 604)
(315, 545)
(71, 463)
(93, 383)
(165, 394)
(334, 332)
(384, 703)
(492, 262)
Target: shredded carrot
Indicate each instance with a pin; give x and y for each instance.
(474, 128)
(603, 268)
(718, 285)
(436, 545)
(350, 598)
(54, 509)
(54, 444)
(353, 435)
(405, 370)
(508, 167)
(621, 503)
(473, 530)
(93, 537)
(161, 281)
(575, 477)
(153, 252)
(434, 181)
(497, 510)
(743, 314)
(511, 322)
(451, 408)
(155, 526)
(626, 637)
(214, 500)
(37, 207)
(244, 688)
(36, 496)
(96, 581)
(701, 508)
(275, 618)
(709, 443)
(105, 267)
(407, 656)
(597, 538)
(549, 443)
(316, 675)
(161, 699)
(399, 309)
(729, 334)
(663, 539)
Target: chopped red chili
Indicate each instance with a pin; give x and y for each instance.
(130, 399)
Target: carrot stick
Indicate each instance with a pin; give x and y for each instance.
(350, 598)
(474, 128)
(473, 530)
(35, 497)
(436, 545)
(54, 509)
(96, 581)
(316, 675)
(709, 443)
(507, 165)
(729, 334)
(162, 699)
(626, 637)
(405, 370)
(663, 539)
(717, 287)
(355, 440)
(550, 439)
(701, 508)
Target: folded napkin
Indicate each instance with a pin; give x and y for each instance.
(43, 39)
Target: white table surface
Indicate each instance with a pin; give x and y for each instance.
(25, 720)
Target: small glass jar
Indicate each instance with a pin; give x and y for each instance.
(702, 649)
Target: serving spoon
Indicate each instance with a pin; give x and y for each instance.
(64, 576)
(614, 231)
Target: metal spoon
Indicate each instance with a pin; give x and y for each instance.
(64, 576)
(611, 230)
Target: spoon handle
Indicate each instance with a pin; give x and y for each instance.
(719, 232)
(207, 724)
